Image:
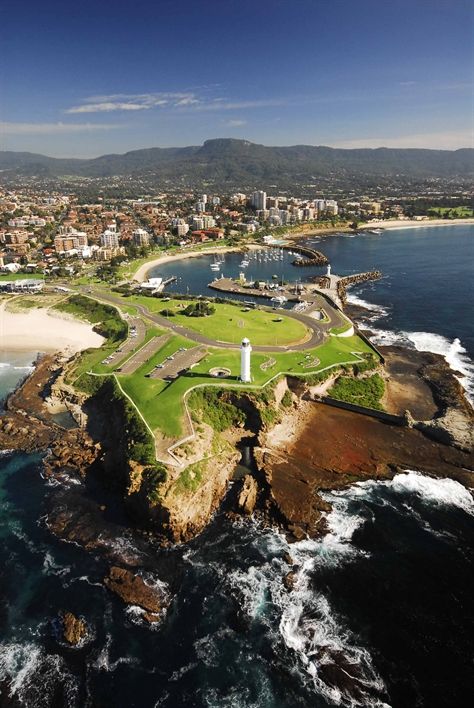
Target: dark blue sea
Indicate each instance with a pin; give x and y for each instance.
(381, 613)
(425, 298)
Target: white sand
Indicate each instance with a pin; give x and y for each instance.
(413, 224)
(44, 331)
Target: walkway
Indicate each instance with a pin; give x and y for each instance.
(317, 329)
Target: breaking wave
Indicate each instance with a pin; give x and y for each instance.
(453, 351)
(377, 311)
(34, 677)
(327, 656)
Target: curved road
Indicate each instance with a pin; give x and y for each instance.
(317, 329)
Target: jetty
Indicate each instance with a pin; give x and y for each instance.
(333, 287)
(309, 256)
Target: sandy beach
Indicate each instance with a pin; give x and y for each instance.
(413, 224)
(44, 331)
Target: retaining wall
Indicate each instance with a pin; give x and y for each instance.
(371, 412)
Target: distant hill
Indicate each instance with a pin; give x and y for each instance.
(233, 162)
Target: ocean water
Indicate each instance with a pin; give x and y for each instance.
(380, 615)
(424, 300)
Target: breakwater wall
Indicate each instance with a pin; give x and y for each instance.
(311, 257)
(371, 412)
(345, 282)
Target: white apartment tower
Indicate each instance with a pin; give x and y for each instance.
(109, 239)
(245, 351)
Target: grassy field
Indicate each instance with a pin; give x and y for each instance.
(340, 330)
(454, 212)
(20, 276)
(230, 323)
(161, 403)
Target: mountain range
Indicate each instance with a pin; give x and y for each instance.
(240, 162)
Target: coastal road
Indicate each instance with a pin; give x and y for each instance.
(317, 329)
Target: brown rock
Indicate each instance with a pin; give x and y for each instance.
(289, 580)
(151, 617)
(74, 629)
(248, 495)
(133, 590)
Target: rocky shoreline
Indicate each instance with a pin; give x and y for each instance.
(311, 448)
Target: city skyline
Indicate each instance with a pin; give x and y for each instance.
(86, 81)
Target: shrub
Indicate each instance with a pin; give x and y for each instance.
(215, 411)
(153, 478)
(287, 399)
(363, 392)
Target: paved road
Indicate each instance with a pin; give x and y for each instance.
(317, 329)
(131, 343)
(142, 355)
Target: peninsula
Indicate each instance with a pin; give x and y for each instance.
(167, 369)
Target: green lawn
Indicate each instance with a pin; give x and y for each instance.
(21, 276)
(161, 403)
(230, 323)
(340, 330)
(455, 212)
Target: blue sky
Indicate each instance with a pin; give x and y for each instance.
(86, 78)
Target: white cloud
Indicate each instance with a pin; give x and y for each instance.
(52, 128)
(106, 107)
(235, 122)
(448, 140)
(133, 102)
(186, 100)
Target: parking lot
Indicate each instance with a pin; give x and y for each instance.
(179, 361)
(143, 354)
(137, 330)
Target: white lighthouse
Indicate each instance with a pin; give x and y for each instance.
(328, 273)
(245, 350)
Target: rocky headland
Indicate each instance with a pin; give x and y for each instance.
(302, 447)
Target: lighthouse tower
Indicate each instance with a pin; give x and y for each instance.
(245, 350)
(328, 273)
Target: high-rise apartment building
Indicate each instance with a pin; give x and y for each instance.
(259, 200)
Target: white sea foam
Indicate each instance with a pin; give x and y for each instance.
(104, 662)
(34, 676)
(377, 310)
(307, 623)
(453, 351)
(51, 567)
(432, 491)
(9, 365)
(440, 492)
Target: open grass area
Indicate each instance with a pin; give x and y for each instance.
(340, 330)
(19, 303)
(20, 276)
(161, 403)
(231, 323)
(459, 212)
